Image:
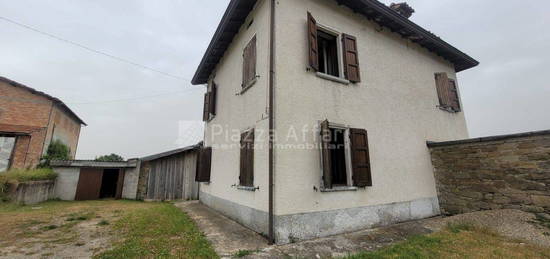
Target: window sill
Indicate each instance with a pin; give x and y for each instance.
(248, 86)
(247, 188)
(340, 189)
(447, 109)
(332, 78)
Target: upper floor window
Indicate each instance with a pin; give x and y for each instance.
(327, 44)
(324, 49)
(447, 93)
(209, 109)
(249, 63)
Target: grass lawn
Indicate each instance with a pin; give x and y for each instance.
(101, 229)
(160, 231)
(458, 241)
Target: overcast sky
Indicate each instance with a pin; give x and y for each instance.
(135, 112)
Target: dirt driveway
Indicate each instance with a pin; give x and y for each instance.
(60, 229)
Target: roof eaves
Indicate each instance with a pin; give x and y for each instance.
(232, 17)
(171, 153)
(216, 49)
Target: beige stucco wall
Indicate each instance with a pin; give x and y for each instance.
(396, 102)
(237, 113)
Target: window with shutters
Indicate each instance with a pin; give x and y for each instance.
(345, 157)
(332, 54)
(447, 93)
(246, 176)
(249, 64)
(203, 166)
(328, 53)
(210, 99)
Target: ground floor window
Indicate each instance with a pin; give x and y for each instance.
(7, 145)
(345, 156)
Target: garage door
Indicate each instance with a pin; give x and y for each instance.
(89, 184)
(6, 148)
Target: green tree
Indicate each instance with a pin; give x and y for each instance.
(110, 158)
(57, 150)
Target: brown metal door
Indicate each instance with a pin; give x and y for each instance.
(89, 184)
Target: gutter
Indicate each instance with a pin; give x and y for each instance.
(271, 91)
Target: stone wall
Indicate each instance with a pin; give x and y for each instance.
(503, 172)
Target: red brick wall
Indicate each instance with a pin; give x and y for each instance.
(20, 107)
(64, 128)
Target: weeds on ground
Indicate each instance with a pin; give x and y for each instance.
(21, 176)
(80, 216)
(458, 241)
(159, 231)
(542, 220)
(243, 253)
(103, 223)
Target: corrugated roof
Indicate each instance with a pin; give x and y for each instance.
(94, 164)
(171, 152)
(238, 10)
(53, 99)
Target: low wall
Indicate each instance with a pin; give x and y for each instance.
(32, 192)
(502, 172)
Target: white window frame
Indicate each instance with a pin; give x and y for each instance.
(347, 150)
(341, 78)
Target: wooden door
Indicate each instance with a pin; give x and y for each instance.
(89, 184)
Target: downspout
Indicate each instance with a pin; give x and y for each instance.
(271, 234)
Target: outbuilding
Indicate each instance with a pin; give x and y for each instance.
(92, 180)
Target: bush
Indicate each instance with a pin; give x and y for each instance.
(57, 150)
(110, 158)
(20, 176)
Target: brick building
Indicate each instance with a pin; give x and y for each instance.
(29, 121)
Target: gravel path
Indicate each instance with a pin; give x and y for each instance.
(514, 224)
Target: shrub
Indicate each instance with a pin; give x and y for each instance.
(21, 176)
(57, 150)
(110, 158)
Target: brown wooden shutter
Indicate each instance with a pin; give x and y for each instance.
(325, 153)
(312, 39)
(442, 84)
(351, 58)
(205, 112)
(454, 101)
(360, 160)
(212, 97)
(249, 62)
(204, 164)
(246, 177)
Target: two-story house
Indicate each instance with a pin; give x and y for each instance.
(317, 115)
(29, 121)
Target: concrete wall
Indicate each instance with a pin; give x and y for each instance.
(66, 182)
(33, 192)
(510, 172)
(237, 112)
(130, 187)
